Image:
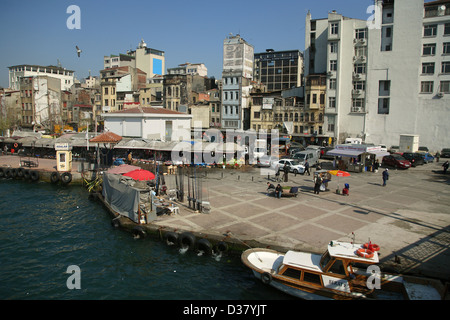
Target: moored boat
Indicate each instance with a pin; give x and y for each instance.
(344, 271)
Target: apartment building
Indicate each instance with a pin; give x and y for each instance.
(384, 77)
(278, 70)
(189, 68)
(65, 76)
(237, 74)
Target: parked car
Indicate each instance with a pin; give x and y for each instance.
(445, 153)
(325, 151)
(428, 157)
(318, 149)
(294, 165)
(423, 149)
(311, 155)
(396, 161)
(394, 149)
(415, 158)
(266, 161)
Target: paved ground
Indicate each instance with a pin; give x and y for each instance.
(409, 218)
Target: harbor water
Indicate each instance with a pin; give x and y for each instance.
(45, 229)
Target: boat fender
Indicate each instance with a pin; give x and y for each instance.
(186, 239)
(365, 253)
(205, 246)
(371, 246)
(26, 174)
(66, 177)
(115, 222)
(220, 247)
(8, 173)
(34, 175)
(20, 173)
(14, 173)
(54, 177)
(266, 278)
(171, 238)
(139, 232)
(2, 173)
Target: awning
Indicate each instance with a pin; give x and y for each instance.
(344, 153)
(379, 154)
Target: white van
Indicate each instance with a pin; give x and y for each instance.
(353, 140)
(311, 155)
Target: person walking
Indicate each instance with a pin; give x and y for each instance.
(307, 168)
(445, 165)
(385, 176)
(438, 155)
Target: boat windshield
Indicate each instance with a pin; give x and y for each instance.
(324, 260)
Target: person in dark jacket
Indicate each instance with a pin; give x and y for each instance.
(385, 176)
(278, 191)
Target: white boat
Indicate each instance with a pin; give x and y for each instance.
(344, 271)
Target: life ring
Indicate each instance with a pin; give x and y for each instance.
(26, 174)
(186, 239)
(371, 247)
(20, 173)
(54, 177)
(34, 175)
(139, 232)
(66, 177)
(205, 246)
(15, 145)
(171, 238)
(365, 253)
(220, 247)
(266, 278)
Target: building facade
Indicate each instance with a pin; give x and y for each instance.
(24, 70)
(278, 70)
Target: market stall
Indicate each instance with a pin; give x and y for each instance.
(356, 157)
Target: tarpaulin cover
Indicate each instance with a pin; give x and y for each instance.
(122, 198)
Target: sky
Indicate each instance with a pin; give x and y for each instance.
(36, 33)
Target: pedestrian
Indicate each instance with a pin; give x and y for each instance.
(445, 165)
(438, 155)
(278, 191)
(130, 158)
(286, 172)
(307, 168)
(270, 186)
(385, 176)
(376, 166)
(317, 184)
(277, 174)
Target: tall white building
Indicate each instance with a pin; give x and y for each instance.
(238, 56)
(386, 77)
(25, 70)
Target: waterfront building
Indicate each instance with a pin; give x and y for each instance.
(154, 123)
(65, 76)
(278, 70)
(237, 75)
(386, 77)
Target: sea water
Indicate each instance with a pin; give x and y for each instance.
(45, 229)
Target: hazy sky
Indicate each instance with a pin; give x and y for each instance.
(35, 32)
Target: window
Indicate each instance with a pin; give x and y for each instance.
(311, 277)
(426, 87)
(361, 33)
(332, 102)
(335, 28)
(384, 88)
(359, 85)
(337, 267)
(333, 65)
(428, 68)
(446, 48)
(292, 273)
(447, 29)
(383, 105)
(256, 115)
(322, 98)
(429, 49)
(357, 105)
(445, 87)
(106, 90)
(430, 30)
(446, 67)
(332, 84)
(314, 99)
(333, 47)
(359, 68)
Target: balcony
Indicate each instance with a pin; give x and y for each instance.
(358, 110)
(360, 42)
(359, 76)
(360, 59)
